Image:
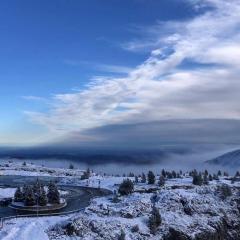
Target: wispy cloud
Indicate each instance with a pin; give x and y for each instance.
(99, 66)
(159, 88)
(35, 98)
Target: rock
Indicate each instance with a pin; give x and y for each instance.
(175, 234)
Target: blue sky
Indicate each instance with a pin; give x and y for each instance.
(59, 59)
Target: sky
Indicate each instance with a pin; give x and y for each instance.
(85, 71)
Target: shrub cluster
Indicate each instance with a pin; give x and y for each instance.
(35, 194)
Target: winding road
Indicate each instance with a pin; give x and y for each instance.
(77, 198)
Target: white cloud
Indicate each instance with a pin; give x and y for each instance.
(158, 89)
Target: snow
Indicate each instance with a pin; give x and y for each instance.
(109, 217)
(7, 192)
(28, 228)
(16, 168)
(183, 206)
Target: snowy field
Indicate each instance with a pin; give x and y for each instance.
(187, 211)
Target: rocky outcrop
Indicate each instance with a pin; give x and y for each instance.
(223, 230)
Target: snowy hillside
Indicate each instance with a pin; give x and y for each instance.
(210, 210)
(230, 159)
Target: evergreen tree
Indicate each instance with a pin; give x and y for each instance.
(151, 177)
(205, 179)
(206, 172)
(215, 177)
(136, 179)
(219, 173)
(143, 180)
(53, 194)
(29, 197)
(224, 190)
(237, 174)
(126, 187)
(161, 181)
(197, 179)
(18, 196)
(155, 220)
(169, 175)
(163, 173)
(122, 235)
(210, 178)
(131, 174)
(42, 199)
(71, 166)
(174, 175)
(36, 188)
(225, 174)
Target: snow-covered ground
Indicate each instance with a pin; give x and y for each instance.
(28, 228)
(17, 168)
(187, 210)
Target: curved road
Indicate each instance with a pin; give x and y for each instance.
(77, 198)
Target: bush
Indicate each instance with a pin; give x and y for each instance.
(224, 191)
(151, 177)
(69, 229)
(135, 228)
(155, 220)
(122, 235)
(86, 174)
(126, 187)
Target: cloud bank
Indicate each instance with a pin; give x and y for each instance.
(191, 73)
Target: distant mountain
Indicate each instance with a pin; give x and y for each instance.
(230, 159)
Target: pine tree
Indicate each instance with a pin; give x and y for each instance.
(161, 181)
(163, 173)
(210, 178)
(53, 194)
(29, 197)
(225, 174)
(18, 196)
(136, 179)
(197, 178)
(71, 166)
(174, 174)
(219, 173)
(205, 179)
(36, 188)
(126, 187)
(155, 220)
(42, 199)
(86, 174)
(151, 177)
(122, 235)
(143, 180)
